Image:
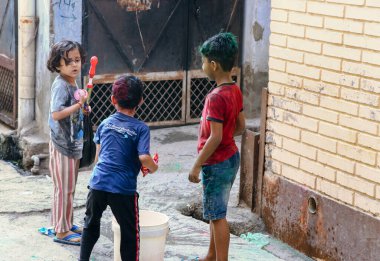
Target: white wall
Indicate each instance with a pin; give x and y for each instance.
(255, 53)
(67, 20)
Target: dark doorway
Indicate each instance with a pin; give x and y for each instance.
(159, 43)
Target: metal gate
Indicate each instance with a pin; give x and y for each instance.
(157, 41)
(8, 35)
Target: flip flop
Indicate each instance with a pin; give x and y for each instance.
(67, 240)
(77, 229)
(50, 232)
(47, 231)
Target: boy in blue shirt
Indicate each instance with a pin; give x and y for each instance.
(122, 147)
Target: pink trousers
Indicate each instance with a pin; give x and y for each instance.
(64, 173)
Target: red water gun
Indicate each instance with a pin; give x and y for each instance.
(145, 170)
(91, 74)
(87, 94)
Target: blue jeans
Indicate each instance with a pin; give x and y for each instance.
(217, 181)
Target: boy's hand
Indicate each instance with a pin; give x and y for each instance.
(194, 174)
(145, 171)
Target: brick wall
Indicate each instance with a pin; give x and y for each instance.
(323, 121)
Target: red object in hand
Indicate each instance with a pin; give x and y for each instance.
(91, 73)
(93, 62)
(144, 170)
(155, 158)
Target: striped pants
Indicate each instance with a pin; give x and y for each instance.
(64, 172)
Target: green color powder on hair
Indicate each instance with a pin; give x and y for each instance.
(221, 48)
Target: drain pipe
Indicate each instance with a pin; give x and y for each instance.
(36, 159)
(27, 32)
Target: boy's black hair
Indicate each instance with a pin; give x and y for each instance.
(60, 50)
(128, 91)
(221, 48)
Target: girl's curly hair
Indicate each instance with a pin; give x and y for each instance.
(60, 50)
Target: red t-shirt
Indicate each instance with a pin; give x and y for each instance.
(222, 105)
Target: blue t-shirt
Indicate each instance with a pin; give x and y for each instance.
(122, 139)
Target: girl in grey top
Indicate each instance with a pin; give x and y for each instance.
(66, 137)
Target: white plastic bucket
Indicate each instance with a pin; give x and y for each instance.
(154, 227)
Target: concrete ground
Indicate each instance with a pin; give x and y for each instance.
(26, 203)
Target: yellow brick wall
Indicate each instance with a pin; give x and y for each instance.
(323, 120)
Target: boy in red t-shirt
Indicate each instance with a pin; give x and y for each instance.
(219, 158)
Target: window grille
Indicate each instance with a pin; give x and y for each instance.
(162, 102)
(100, 103)
(169, 99)
(7, 96)
(6, 89)
(198, 88)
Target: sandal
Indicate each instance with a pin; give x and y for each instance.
(68, 239)
(50, 232)
(47, 231)
(77, 229)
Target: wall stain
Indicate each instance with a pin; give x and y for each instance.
(257, 31)
(328, 234)
(253, 82)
